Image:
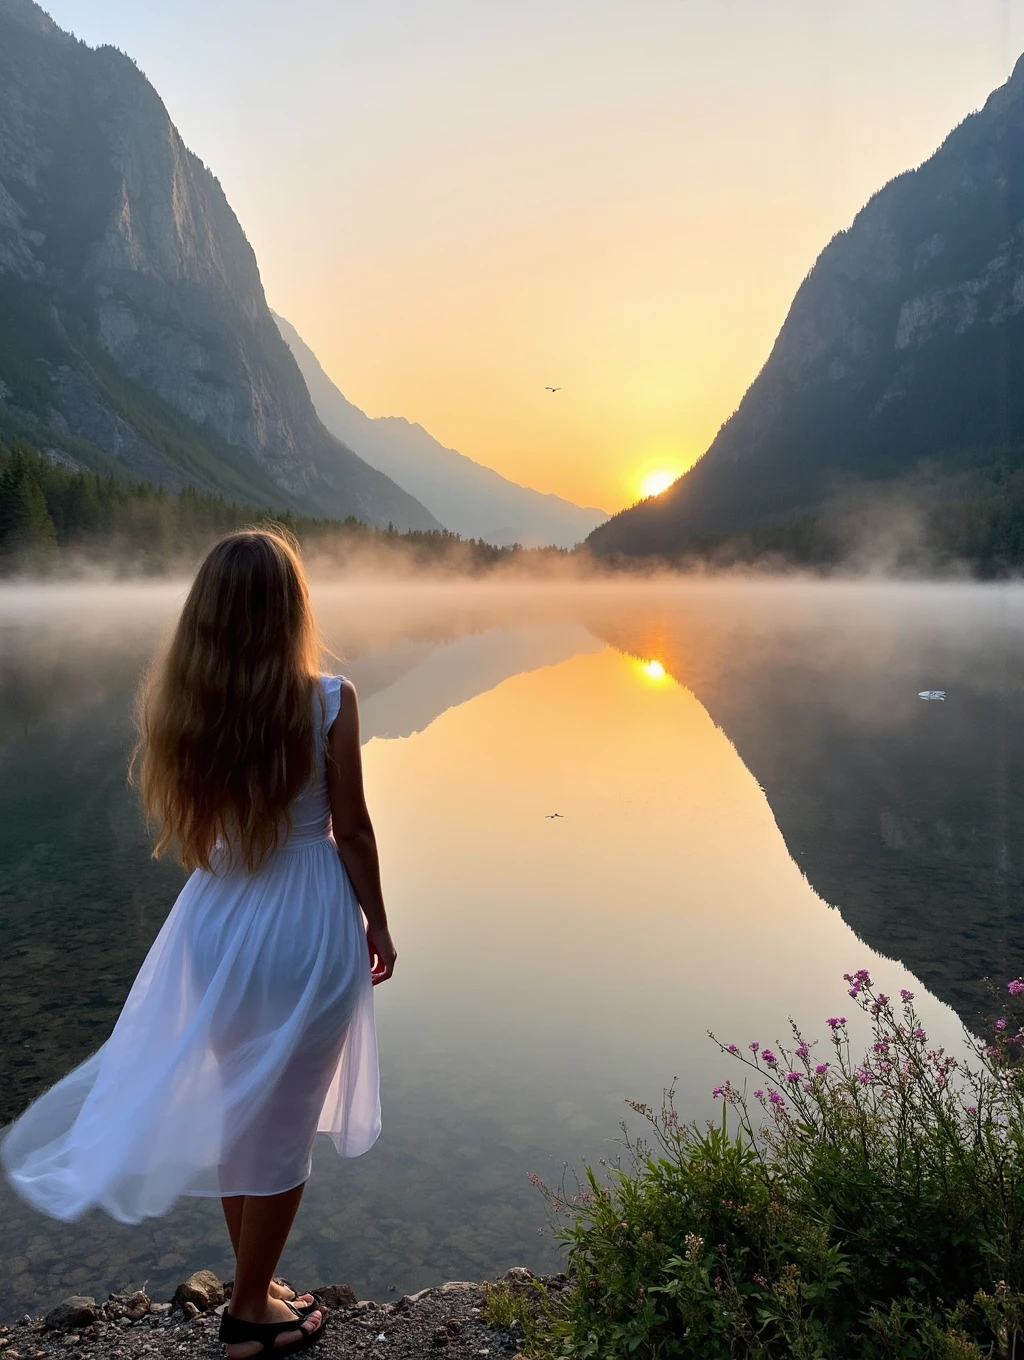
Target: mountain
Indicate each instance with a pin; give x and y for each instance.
(898, 362)
(135, 337)
(467, 497)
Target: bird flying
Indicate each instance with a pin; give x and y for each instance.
(552, 389)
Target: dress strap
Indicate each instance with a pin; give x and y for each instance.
(331, 688)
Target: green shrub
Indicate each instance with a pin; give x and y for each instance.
(845, 1208)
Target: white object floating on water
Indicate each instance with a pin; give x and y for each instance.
(381, 1337)
(932, 694)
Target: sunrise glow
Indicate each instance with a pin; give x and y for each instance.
(657, 482)
(654, 670)
(457, 207)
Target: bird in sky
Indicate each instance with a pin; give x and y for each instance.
(552, 389)
(549, 815)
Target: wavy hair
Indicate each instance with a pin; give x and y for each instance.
(226, 717)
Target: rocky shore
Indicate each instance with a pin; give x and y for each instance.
(448, 1320)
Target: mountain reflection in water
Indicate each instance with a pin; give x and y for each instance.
(549, 967)
(907, 816)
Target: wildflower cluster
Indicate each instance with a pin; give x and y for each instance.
(867, 1203)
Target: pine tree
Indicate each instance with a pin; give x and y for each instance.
(26, 529)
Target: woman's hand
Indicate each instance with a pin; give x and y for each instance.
(382, 953)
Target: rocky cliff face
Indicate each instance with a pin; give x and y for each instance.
(135, 321)
(902, 348)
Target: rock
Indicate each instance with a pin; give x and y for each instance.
(408, 1300)
(336, 1296)
(132, 1306)
(189, 1309)
(457, 1286)
(447, 1331)
(520, 1273)
(202, 1289)
(77, 1311)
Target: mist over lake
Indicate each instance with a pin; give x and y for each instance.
(752, 800)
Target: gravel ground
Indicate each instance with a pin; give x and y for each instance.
(441, 1322)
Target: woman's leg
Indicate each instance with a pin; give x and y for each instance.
(266, 1221)
(234, 1206)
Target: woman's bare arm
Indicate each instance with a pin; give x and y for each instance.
(353, 831)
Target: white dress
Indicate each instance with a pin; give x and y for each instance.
(248, 1029)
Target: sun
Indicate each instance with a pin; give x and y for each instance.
(657, 482)
(654, 670)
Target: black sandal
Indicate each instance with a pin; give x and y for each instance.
(303, 1309)
(236, 1332)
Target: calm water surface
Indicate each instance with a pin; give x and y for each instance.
(753, 800)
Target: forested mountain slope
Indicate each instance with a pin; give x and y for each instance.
(900, 360)
(134, 332)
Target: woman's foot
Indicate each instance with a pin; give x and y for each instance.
(275, 1310)
(280, 1290)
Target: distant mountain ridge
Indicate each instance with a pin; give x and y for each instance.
(467, 497)
(134, 332)
(901, 356)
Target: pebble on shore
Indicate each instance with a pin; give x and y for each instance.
(444, 1320)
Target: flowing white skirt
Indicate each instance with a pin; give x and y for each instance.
(248, 1029)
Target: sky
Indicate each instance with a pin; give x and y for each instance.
(458, 203)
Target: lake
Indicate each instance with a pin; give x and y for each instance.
(752, 801)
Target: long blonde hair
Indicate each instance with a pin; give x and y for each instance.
(226, 717)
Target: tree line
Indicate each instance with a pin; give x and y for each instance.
(51, 514)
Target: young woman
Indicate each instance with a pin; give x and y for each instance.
(250, 1025)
